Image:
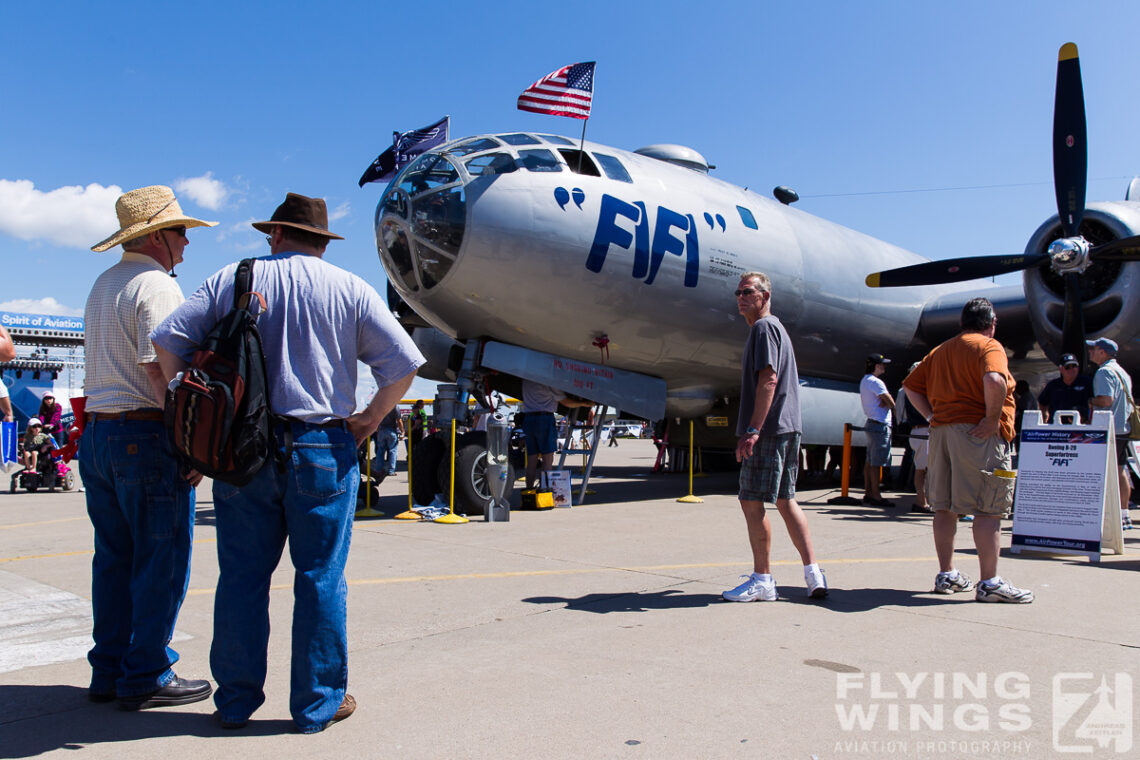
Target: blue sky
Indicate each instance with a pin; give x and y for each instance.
(853, 104)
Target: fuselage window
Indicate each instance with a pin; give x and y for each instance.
(747, 218)
(519, 139)
(613, 168)
(539, 160)
(579, 162)
(491, 163)
(557, 140)
(473, 146)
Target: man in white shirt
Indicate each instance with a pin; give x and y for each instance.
(140, 504)
(877, 405)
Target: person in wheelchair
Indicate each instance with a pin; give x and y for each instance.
(36, 456)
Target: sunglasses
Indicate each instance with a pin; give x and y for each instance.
(180, 231)
(747, 292)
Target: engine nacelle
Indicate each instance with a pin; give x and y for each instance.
(1110, 291)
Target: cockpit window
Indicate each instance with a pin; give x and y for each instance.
(491, 163)
(473, 146)
(747, 218)
(613, 168)
(395, 202)
(518, 139)
(439, 217)
(428, 172)
(539, 160)
(580, 162)
(557, 140)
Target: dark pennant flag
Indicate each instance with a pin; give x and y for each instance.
(405, 147)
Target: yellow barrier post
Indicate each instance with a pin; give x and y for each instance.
(409, 515)
(368, 511)
(451, 518)
(701, 464)
(691, 499)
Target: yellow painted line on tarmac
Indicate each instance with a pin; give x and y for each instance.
(88, 552)
(42, 522)
(577, 571)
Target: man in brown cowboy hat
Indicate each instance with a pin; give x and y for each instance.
(319, 322)
(141, 506)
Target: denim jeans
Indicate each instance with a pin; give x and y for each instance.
(311, 504)
(142, 511)
(386, 442)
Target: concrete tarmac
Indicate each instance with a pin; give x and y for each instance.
(599, 632)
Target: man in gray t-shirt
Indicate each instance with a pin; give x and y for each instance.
(768, 448)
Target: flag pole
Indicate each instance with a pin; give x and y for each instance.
(582, 146)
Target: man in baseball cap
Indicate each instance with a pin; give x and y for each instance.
(1070, 391)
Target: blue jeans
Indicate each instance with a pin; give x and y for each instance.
(386, 442)
(311, 504)
(142, 511)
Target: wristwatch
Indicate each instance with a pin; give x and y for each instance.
(751, 431)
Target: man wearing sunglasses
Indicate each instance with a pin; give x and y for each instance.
(768, 447)
(140, 504)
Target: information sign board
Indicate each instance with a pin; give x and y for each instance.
(1067, 498)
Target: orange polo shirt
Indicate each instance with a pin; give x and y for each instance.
(951, 379)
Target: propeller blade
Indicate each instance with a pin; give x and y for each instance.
(1073, 330)
(1070, 143)
(953, 270)
(1125, 249)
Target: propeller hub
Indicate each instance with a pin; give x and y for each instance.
(1069, 255)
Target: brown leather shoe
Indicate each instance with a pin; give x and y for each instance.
(347, 707)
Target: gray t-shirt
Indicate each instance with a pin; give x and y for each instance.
(321, 320)
(769, 346)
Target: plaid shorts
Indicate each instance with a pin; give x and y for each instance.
(770, 473)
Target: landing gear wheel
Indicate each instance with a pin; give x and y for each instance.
(426, 458)
(472, 491)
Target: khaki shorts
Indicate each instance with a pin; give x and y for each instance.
(959, 472)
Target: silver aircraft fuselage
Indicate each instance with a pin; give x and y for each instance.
(514, 242)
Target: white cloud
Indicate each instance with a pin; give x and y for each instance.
(205, 190)
(70, 216)
(340, 212)
(40, 306)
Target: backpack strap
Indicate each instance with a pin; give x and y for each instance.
(243, 284)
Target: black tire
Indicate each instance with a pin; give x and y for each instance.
(12, 485)
(471, 489)
(32, 487)
(426, 458)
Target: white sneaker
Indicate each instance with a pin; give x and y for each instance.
(753, 589)
(816, 583)
(1003, 592)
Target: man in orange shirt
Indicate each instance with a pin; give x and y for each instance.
(964, 388)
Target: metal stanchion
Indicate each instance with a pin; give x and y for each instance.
(409, 515)
(451, 518)
(690, 498)
(845, 479)
(368, 511)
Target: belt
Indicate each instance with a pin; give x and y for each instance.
(336, 424)
(134, 415)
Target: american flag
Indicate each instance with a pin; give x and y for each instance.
(566, 92)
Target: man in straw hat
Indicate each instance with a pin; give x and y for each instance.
(319, 322)
(140, 504)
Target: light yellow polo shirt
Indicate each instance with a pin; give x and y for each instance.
(127, 301)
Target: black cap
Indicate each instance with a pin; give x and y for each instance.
(878, 359)
(1067, 359)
